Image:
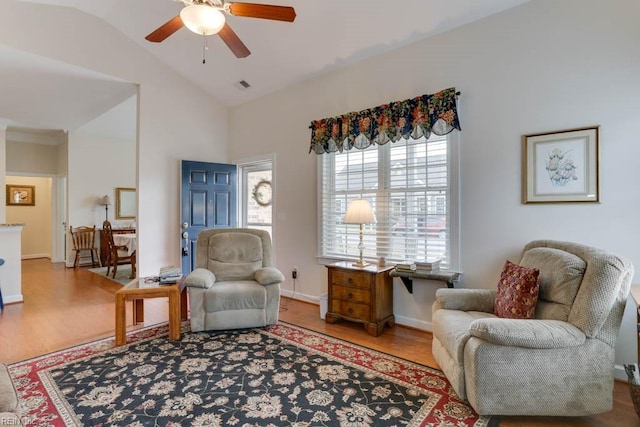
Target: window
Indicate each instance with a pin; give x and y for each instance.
(411, 185)
(256, 198)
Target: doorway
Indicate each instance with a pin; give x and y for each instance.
(43, 235)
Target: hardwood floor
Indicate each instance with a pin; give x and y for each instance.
(65, 307)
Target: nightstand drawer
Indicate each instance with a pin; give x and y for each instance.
(351, 278)
(352, 295)
(360, 294)
(349, 309)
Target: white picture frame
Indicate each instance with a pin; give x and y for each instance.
(561, 166)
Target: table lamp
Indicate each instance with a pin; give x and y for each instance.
(359, 212)
(104, 200)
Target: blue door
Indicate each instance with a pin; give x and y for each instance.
(209, 195)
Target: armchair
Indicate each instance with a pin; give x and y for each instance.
(559, 363)
(9, 405)
(234, 284)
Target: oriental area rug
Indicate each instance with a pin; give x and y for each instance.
(281, 375)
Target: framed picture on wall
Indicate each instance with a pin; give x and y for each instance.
(561, 166)
(21, 195)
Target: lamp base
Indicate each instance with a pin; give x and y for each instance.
(360, 264)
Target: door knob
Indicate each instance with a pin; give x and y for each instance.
(185, 235)
(185, 225)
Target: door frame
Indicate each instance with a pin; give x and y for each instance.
(271, 157)
(58, 212)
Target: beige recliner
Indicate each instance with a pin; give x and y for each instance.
(8, 400)
(234, 284)
(561, 362)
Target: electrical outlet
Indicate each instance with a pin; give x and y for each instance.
(294, 273)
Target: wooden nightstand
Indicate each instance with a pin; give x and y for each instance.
(361, 295)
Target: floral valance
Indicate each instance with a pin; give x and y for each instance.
(413, 118)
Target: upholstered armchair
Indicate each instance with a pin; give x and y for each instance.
(8, 400)
(234, 284)
(561, 362)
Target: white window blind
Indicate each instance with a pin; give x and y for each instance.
(409, 187)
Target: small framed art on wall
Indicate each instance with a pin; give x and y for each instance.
(561, 166)
(21, 195)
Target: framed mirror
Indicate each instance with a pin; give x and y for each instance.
(125, 203)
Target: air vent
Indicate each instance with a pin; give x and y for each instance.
(242, 85)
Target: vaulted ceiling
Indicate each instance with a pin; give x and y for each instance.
(326, 35)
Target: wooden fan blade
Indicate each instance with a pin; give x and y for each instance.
(232, 40)
(264, 11)
(165, 30)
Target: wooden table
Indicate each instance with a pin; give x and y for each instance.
(139, 289)
(362, 295)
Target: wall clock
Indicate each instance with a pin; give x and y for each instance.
(262, 193)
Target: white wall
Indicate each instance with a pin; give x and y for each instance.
(32, 158)
(97, 165)
(547, 65)
(36, 233)
(176, 120)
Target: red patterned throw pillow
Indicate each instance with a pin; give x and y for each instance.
(517, 293)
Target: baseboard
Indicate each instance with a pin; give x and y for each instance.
(35, 256)
(299, 296)
(619, 373)
(414, 323)
(400, 320)
(12, 299)
(82, 263)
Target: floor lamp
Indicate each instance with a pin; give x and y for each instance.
(359, 212)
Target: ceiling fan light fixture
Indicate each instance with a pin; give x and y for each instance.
(202, 19)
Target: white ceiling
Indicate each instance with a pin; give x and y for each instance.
(326, 35)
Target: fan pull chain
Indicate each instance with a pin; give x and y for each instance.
(205, 48)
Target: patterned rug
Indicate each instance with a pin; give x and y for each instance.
(123, 275)
(276, 376)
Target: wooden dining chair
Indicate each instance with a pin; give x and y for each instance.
(115, 254)
(84, 240)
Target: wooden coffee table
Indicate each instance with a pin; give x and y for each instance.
(139, 289)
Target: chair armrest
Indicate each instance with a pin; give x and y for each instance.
(8, 394)
(269, 276)
(465, 299)
(200, 278)
(528, 333)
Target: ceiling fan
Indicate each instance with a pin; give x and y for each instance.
(206, 17)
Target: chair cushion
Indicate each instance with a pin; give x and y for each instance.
(533, 333)
(517, 292)
(234, 256)
(561, 274)
(240, 295)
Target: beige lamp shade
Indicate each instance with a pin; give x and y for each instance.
(359, 211)
(104, 200)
